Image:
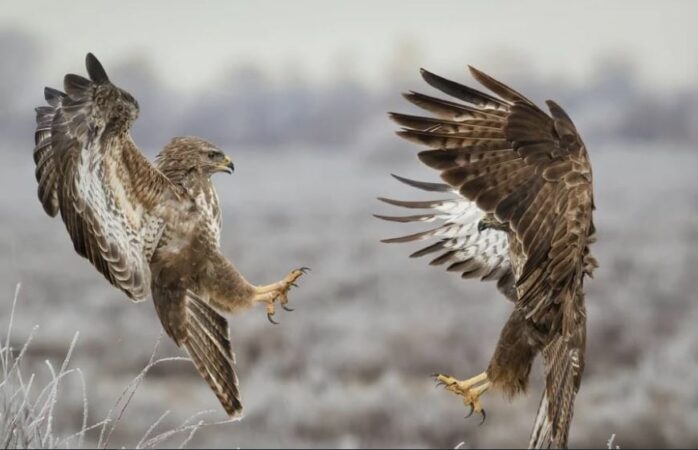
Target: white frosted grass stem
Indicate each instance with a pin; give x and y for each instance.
(151, 428)
(53, 395)
(191, 434)
(609, 444)
(153, 442)
(131, 391)
(81, 433)
(27, 420)
(6, 354)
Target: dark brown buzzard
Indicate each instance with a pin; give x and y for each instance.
(149, 229)
(520, 214)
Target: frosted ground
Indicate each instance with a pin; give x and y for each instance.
(350, 367)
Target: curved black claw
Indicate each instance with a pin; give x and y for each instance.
(472, 409)
(304, 269)
(439, 382)
(294, 285)
(287, 308)
(484, 416)
(271, 320)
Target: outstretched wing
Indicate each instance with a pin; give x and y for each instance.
(529, 171)
(460, 244)
(109, 195)
(193, 324)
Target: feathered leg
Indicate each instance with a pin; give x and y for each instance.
(228, 290)
(508, 370)
(518, 345)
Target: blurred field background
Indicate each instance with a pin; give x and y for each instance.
(297, 93)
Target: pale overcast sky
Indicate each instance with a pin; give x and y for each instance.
(190, 42)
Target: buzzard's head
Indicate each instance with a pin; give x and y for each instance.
(186, 155)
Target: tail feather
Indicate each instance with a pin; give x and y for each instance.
(563, 371)
(541, 434)
(208, 345)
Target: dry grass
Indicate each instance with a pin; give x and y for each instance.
(27, 410)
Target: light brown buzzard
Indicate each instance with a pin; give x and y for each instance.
(149, 229)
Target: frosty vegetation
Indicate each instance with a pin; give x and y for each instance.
(29, 405)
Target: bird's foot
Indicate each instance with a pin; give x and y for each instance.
(287, 283)
(470, 389)
(279, 291)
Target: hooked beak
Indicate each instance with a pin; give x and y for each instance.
(227, 165)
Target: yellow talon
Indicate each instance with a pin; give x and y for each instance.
(278, 291)
(470, 389)
(270, 312)
(290, 281)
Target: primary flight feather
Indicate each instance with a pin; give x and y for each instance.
(149, 229)
(520, 213)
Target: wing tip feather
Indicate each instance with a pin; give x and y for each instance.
(423, 185)
(95, 69)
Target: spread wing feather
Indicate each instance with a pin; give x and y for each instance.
(464, 249)
(530, 171)
(89, 169)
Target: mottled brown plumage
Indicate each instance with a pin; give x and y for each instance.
(521, 215)
(148, 229)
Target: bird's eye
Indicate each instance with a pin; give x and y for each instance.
(212, 155)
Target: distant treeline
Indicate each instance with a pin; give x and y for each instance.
(244, 108)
